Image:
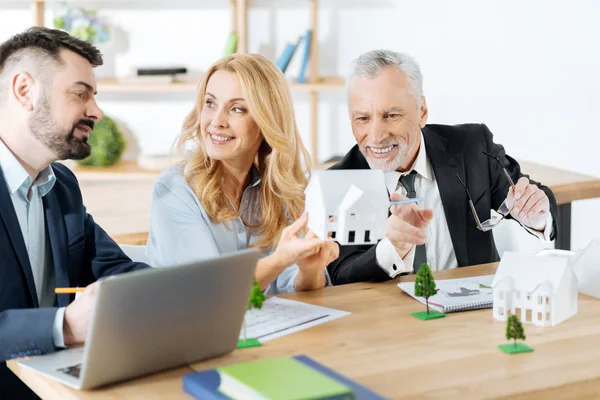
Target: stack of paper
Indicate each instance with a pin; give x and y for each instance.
(280, 317)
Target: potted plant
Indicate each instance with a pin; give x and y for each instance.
(87, 25)
(107, 144)
(84, 24)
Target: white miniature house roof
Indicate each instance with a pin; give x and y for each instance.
(353, 196)
(524, 272)
(341, 189)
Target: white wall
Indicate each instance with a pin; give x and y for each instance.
(527, 68)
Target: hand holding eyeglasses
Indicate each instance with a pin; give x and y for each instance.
(531, 205)
(527, 203)
(407, 226)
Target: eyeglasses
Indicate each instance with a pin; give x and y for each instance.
(504, 209)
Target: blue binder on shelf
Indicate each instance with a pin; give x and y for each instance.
(305, 56)
(288, 53)
(205, 385)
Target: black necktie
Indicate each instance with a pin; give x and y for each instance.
(408, 181)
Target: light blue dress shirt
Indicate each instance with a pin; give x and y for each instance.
(181, 231)
(26, 195)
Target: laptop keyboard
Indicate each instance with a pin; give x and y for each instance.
(73, 370)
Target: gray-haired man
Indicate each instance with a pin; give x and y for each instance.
(458, 170)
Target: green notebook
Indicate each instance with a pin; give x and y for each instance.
(279, 379)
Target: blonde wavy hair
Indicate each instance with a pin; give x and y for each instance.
(282, 160)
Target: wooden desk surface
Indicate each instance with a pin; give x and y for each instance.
(567, 186)
(381, 346)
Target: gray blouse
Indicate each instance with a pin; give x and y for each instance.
(181, 231)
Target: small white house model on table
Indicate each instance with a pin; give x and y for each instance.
(539, 290)
(586, 266)
(350, 206)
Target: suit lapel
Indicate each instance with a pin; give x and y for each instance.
(8, 214)
(446, 164)
(57, 236)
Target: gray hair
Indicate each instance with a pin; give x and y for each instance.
(371, 63)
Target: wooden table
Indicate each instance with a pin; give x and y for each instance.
(381, 346)
(567, 187)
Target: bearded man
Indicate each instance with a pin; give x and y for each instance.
(459, 171)
(47, 239)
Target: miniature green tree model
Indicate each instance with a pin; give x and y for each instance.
(425, 287)
(257, 297)
(514, 330)
(256, 300)
(425, 284)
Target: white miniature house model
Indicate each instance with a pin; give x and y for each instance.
(539, 290)
(349, 206)
(586, 266)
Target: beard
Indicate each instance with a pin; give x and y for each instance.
(387, 164)
(63, 143)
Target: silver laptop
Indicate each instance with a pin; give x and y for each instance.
(151, 320)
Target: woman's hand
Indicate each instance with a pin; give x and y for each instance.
(292, 248)
(312, 268)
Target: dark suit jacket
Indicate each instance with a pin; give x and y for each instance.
(451, 150)
(81, 253)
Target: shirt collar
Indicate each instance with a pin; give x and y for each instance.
(45, 181)
(421, 165)
(17, 177)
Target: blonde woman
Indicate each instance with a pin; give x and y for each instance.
(243, 181)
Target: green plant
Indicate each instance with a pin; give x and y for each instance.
(514, 329)
(425, 284)
(107, 144)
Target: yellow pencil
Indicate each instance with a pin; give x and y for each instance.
(69, 290)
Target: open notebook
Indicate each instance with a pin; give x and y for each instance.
(457, 294)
